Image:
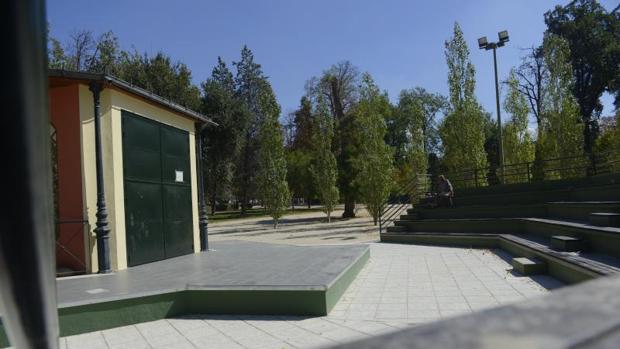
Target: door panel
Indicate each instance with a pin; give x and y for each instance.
(178, 220)
(141, 149)
(144, 223)
(158, 207)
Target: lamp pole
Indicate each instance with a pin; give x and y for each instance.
(499, 116)
(484, 44)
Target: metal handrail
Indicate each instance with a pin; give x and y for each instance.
(394, 205)
(589, 165)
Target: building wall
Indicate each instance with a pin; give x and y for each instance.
(65, 116)
(112, 102)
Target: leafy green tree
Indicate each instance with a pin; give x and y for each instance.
(56, 54)
(105, 58)
(323, 166)
(300, 150)
(271, 172)
(593, 37)
(607, 147)
(373, 159)
(221, 142)
(250, 84)
(339, 86)
(562, 130)
(518, 143)
(462, 130)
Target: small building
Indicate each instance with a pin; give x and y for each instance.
(148, 171)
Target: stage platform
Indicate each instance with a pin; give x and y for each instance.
(235, 278)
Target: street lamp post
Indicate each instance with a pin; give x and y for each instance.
(484, 44)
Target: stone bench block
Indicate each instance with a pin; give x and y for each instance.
(604, 219)
(566, 243)
(528, 266)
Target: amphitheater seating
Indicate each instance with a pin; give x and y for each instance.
(571, 229)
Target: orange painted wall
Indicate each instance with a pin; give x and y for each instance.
(65, 116)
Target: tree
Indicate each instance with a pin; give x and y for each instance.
(271, 173)
(300, 150)
(56, 54)
(249, 83)
(593, 38)
(373, 159)
(533, 76)
(106, 56)
(462, 130)
(221, 142)
(323, 166)
(518, 143)
(80, 50)
(339, 87)
(562, 130)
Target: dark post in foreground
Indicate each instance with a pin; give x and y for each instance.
(102, 230)
(27, 280)
(203, 219)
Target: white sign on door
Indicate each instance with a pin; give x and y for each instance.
(178, 176)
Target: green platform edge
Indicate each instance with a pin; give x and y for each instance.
(559, 269)
(303, 302)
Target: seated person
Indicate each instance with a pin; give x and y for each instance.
(446, 192)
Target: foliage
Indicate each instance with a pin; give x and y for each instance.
(221, 142)
(157, 74)
(374, 157)
(592, 35)
(271, 173)
(462, 130)
(252, 88)
(300, 149)
(339, 87)
(607, 147)
(323, 166)
(562, 132)
(412, 133)
(518, 144)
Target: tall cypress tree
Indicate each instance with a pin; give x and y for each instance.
(373, 159)
(271, 172)
(324, 168)
(462, 130)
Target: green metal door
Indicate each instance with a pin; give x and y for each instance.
(158, 210)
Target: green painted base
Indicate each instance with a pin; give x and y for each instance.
(306, 301)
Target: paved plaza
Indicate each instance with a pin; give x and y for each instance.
(401, 286)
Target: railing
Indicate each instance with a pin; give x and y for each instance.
(401, 198)
(556, 168)
(68, 230)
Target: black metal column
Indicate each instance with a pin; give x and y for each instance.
(27, 275)
(102, 230)
(499, 118)
(203, 219)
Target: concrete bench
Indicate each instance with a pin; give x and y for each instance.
(604, 219)
(566, 243)
(528, 266)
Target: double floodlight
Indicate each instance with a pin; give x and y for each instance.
(483, 43)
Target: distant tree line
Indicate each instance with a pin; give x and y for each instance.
(348, 143)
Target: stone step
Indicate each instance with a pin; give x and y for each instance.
(528, 266)
(396, 229)
(604, 219)
(566, 243)
(409, 217)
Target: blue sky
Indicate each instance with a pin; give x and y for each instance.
(399, 42)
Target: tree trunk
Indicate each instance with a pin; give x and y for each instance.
(329, 216)
(349, 208)
(275, 223)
